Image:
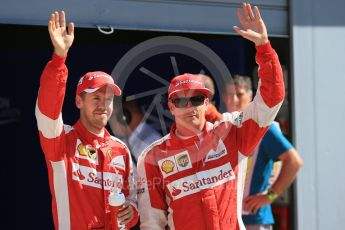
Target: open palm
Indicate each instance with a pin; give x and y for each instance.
(61, 37)
(254, 28)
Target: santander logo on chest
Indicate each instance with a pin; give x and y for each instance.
(91, 177)
(200, 181)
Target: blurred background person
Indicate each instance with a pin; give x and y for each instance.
(260, 191)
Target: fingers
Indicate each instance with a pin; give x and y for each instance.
(57, 22)
(254, 203)
(124, 211)
(243, 33)
(240, 17)
(50, 27)
(51, 24)
(245, 11)
(63, 19)
(71, 29)
(257, 12)
(255, 209)
(250, 205)
(250, 12)
(126, 214)
(249, 16)
(247, 203)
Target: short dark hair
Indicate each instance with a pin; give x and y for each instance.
(240, 80)
(82, 95)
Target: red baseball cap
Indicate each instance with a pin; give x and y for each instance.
(186, 82)
(92, 81)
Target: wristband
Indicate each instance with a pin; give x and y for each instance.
(271, 195)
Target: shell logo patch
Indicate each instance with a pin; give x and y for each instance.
(168, 166)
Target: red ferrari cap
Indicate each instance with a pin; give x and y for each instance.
(92, 81)
(186, 82)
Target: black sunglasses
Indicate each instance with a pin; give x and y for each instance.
(182, 102)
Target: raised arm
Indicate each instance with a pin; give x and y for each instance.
(254, 121)
(52, 88)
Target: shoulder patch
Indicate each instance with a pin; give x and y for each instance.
(68, 128)
(235, 118)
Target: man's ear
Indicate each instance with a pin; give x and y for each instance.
(78, 101)
(207, 101)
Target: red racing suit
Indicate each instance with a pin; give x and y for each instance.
(80, 164)
(197, 183)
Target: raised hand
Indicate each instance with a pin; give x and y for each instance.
(61, 37)
(254, 28)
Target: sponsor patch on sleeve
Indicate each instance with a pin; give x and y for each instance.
(220, 152)
(140, 185)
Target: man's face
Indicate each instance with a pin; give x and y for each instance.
(236, 97)
(96, 108)
(190, 118)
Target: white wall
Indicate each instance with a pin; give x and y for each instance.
(318, 48)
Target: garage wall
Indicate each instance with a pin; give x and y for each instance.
(212, 16)
(318, 31)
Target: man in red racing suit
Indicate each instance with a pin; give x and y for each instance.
(84, 161)
(193, 177)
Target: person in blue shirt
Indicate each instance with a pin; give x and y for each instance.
(260, 191)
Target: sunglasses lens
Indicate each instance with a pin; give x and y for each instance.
(198, 100)
(183, 101)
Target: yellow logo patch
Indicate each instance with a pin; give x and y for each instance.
(168, 166)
